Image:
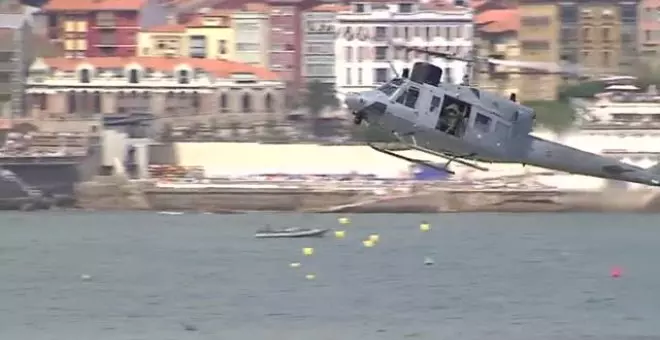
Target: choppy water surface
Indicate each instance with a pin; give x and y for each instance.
(496, 276)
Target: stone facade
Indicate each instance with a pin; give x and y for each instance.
(60, 91)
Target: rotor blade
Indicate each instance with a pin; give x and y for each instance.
(559, 68)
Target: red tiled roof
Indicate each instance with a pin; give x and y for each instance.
(169, 28)
(498, 20)
(219, 68)
(93, 5)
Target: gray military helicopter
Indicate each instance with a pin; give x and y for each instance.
(464, 124)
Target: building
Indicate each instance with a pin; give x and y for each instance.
(14, 31)
(210, 35)
(286, 41)
(318, 43)
(18, 48)
(169, 40)
(649, 31)
(496, 36)
(363, 52)
(251, 26)
(539, 42)
(176, 90)
(96, 28)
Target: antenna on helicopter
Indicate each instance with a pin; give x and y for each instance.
(393, 69)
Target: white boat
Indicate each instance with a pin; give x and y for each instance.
(290, 232)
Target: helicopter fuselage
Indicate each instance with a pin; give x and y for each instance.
(459, 122)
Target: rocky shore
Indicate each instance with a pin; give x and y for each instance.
(120, 194)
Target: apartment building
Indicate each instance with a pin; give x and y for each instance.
(363, 50)
(319, 28)
(94, 28)
(649, 31)
(496, 36)
(251, 25)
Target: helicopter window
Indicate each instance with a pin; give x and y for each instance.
(411, 97)
(435, 103)
(388, 89)
(482, 123)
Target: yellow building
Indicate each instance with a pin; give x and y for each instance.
(207, 34)
(496, 36)
(600, 35)
(539, 42)
(210, 35)
(161, 41)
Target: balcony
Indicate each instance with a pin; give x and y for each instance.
(106, 25)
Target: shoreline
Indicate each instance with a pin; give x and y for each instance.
(123, 195)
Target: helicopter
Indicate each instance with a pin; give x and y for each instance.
(466, 125)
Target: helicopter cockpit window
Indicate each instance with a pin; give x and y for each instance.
(435, 103)
(391, 87)
(482, 123)
(409, 98)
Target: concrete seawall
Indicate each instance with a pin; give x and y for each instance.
(114, 195)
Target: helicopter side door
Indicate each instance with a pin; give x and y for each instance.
(488, 132)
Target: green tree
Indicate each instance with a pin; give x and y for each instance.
(318, 97)
(557, 116)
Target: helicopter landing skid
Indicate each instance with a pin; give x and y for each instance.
(412, 160)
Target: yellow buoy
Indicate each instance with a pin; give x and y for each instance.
(308, 251)
(374, 238)
(424, 227)
(340, 233)
(368, 243)
(344, 220)
(294, 265)
(310, 276)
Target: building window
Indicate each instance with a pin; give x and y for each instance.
(606, 34)
(222, 47)
(534, 45)
(84, 76)
(359, 8)
(105, 19)
(606, 58)
(406, 33)
(184, 77)
(71, 102)
(381, 33)
(359, 74)
(381, 75)
(195, 101)
(586, 34)
(198, 46)
(133, 76)
(97, 102)
(348, 53)
(268, 103)
(381, 53)
(224, 103)
(348, 76)
(405, 8)
(247, 103)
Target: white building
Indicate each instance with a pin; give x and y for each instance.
(363, 48)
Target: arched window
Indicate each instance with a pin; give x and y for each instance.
(85, 76)
(133, 76)
(247, 103)
(268, 103)
(97, 102)
(195, 100)
(224, 103)
(71, 102)
(184, 77)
